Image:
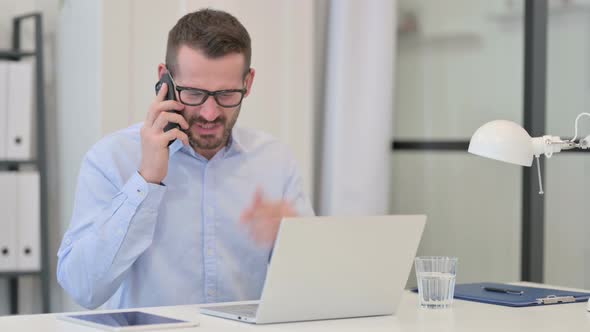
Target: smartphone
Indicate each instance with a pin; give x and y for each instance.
(170, 95)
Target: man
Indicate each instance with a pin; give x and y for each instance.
(193, 222)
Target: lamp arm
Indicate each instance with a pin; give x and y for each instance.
(564, 145)
(548, 145)
(560, 144)
(576, 125)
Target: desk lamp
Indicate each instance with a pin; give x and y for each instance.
(509, 142)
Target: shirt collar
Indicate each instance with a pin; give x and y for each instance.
(176, 145)
(233, 147)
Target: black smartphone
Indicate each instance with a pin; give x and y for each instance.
(170, 95)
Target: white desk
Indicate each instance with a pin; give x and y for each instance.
(464, 316)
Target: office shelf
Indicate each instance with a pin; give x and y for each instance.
(13, 55)
(8, 163)
(19, 274)
(40, 162)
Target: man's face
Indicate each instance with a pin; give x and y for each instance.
(210, 124)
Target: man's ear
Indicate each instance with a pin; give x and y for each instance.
(161, 70)
(249, 81)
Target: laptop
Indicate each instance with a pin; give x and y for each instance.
(333, 267)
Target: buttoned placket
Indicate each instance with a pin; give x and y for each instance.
(209, 236)
(208, 223)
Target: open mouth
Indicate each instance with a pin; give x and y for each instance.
(209, 128)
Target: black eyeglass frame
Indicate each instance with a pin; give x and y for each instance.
(207, 93)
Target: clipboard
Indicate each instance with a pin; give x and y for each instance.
(516, 296)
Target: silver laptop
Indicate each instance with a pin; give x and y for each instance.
(333, 267)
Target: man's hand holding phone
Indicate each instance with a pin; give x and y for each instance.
(155, 141)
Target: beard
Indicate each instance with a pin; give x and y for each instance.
(211, 142)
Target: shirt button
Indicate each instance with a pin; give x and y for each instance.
(210, 211)
(210, 252)
(211, 292)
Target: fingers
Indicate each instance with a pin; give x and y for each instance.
(176, 134)
(160, 105)
(252, 215)
(263, 230)
(263, 218)
(165, 117)
(162, 93)
(258, 197)
(267, 212)
(255, 208)
(246, 216)
(264, 234)
(160, 96)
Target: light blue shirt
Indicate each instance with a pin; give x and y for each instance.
(135, 244)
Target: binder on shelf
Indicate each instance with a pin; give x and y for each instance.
(18, 143)
(19, 140)
(3, 107)
(8, 223)
(28, 219)
(516, 296)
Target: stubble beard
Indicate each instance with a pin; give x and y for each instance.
(210, 142)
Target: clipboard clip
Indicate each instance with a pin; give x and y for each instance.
(553, 299)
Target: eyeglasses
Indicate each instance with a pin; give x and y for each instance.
(195, 97)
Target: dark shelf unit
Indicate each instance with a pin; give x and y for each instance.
(16, 54)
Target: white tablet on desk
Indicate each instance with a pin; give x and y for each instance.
(127, 321)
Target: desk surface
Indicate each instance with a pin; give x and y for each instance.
(464, 316)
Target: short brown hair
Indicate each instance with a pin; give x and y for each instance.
(214, 32)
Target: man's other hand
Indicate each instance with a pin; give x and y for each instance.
(263, 218)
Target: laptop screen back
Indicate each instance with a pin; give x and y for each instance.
(336, 267)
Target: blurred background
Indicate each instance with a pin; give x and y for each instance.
(377, 99)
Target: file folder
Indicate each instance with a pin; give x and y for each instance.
(3, 107)
(28, 218)
(19, 141)
(516, 296)
(8, 223)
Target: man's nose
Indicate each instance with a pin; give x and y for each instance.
(209, 110)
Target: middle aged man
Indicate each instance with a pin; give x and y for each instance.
(194, 222)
